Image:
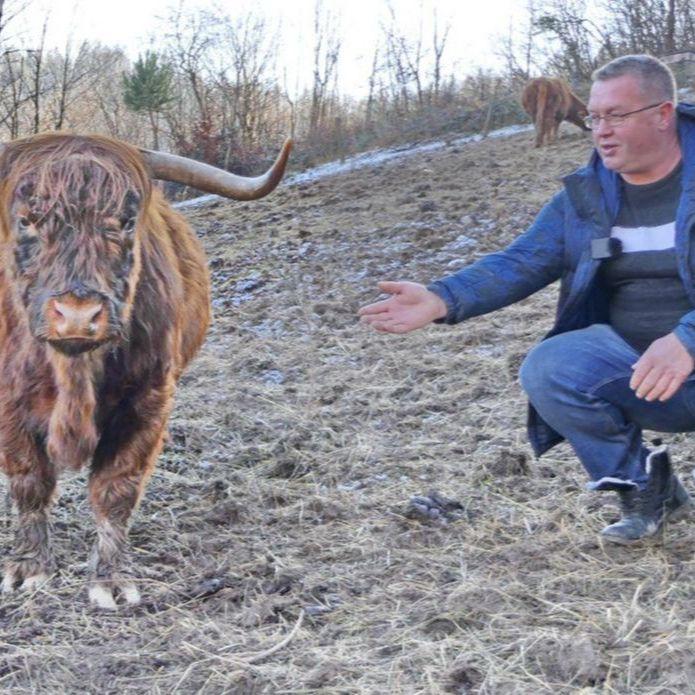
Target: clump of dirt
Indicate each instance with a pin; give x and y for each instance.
(507, 462)
(463, 677)
(568, 659)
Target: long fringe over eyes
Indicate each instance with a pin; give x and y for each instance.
(62, 170)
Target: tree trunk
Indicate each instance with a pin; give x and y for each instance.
(155, 129)
(669, 39)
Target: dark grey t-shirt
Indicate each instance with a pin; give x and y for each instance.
(647, 297)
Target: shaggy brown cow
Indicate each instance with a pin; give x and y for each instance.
(549, 101)
(104, 299)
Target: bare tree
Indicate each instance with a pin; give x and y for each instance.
(291, 104)
(651, 26)
(369, 107)
(108, 102)
(15, 90)
(189, 41)
(14, 93)
(246, 86)
(326, 54)
(581, 44)
(396, 66)
(670, 38)
(438, 46)
(9, 11)
(405, 61)
(410, 53)
(529, 38)
(35, 76)
(66, 75)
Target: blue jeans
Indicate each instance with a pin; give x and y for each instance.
(579, 383)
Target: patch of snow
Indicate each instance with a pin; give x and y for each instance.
(458, 262)
(273, 376)
(420, 224)
(268, 328)
(361, 483)
(197, 202)
(252, 282)
(460, 242)
(488, 350)
(509, 130)
(398, 246)
(357, 276)
(306, 249)
(370, 159)
(350, 486)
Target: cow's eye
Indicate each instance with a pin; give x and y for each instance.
(127, 224)
(24, 222)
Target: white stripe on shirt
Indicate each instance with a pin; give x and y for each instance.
(646, 238)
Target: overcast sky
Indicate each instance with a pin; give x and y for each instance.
(133, 23)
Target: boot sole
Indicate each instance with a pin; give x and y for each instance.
(619, 540)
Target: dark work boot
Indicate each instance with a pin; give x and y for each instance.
(643, 512)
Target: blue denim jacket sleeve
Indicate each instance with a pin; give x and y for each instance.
(532, 261)
(685, 332)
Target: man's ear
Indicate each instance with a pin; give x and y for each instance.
(667, 112)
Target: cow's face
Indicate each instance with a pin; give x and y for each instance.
(75, 259)
(579, 111)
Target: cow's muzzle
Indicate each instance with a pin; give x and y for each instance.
(74, 346)
(76, 322)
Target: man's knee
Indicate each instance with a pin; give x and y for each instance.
(574, 361)
(555, 362)
(534, 373)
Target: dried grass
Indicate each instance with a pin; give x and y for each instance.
(273, 544)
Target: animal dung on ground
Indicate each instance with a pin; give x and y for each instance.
(434, 507)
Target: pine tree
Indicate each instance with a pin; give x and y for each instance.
(148, 88)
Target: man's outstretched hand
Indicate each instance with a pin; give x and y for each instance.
(409, 307)
(661, 370)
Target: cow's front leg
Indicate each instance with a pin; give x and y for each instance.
(31, 488)
(538, 141)
(114, 493)
(554, 132)
(123, 463)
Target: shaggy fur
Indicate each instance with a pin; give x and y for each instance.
(549, 101)
(80, 222)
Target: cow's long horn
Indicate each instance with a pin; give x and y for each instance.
(171, 167)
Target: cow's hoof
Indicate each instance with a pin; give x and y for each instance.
(24, 576)
(103, 594)
(34, 582)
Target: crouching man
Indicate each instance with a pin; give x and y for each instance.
(620, 356)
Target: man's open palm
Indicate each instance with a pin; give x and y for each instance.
(409, 307)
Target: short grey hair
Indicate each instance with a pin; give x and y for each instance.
(655, 77)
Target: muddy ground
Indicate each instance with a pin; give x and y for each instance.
(275, 546)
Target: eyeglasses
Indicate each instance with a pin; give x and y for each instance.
(593, 120)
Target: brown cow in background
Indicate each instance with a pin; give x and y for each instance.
(549, 101)
(104, 299)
